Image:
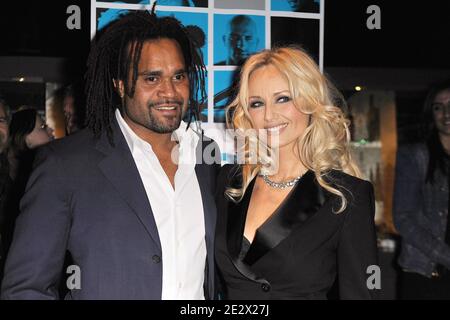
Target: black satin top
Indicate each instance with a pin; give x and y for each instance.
(297, 252)
(245, 246)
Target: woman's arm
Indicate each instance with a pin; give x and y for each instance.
(357, 248)
(408, 207)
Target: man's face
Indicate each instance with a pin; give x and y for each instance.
(162, 89)
(4, 128)
(241, 41)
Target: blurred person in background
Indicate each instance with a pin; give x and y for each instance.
(421, 201)
(5, 180)
(27, 131)
(73, 109)
(4, 124)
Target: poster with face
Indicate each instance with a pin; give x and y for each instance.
(308, 6)
(228, 32)
(236, 37)
(179, 3)
(224, 85)
(105, 16)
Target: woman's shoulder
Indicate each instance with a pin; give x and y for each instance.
(359, 194)
(339, 177)
(350, 185)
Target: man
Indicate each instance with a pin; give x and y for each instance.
(137, 224)
(241, 41)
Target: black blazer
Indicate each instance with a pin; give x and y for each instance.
(299, 250)
(87, 197)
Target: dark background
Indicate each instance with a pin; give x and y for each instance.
(413, 35)
(409, 52)
(38, 28)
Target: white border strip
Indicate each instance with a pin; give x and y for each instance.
(321, 34)
(268, 25)
(209, 67)
(93, 18)
(303, 15)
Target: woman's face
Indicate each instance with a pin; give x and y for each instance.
(271, 107)
(441, 111)
(40, 135)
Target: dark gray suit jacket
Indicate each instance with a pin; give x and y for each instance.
(87, 197)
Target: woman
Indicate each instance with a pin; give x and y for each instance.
(421, 201)
(27, 131)
(286, 233)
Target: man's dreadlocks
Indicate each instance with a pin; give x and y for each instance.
(116, 51)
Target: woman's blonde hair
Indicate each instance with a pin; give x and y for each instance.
(324, 145)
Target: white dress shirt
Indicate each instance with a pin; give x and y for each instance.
(178, 213)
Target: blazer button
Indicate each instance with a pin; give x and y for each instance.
(156, 258)
(265, 287)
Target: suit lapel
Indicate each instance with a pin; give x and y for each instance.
(306, 198)
(120, 170)
(237, 213)
(202, 172)
(299, 206)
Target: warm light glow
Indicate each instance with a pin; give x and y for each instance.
(358, 88)
(21, 79)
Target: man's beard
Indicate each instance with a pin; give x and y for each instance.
(172, 123)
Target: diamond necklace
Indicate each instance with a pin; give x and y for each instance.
(280, 185)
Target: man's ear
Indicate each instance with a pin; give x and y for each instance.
(120, 87)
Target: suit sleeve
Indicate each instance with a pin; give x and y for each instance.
(35, 260)
(357, 248)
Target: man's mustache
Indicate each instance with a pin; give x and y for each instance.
(166, 102)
